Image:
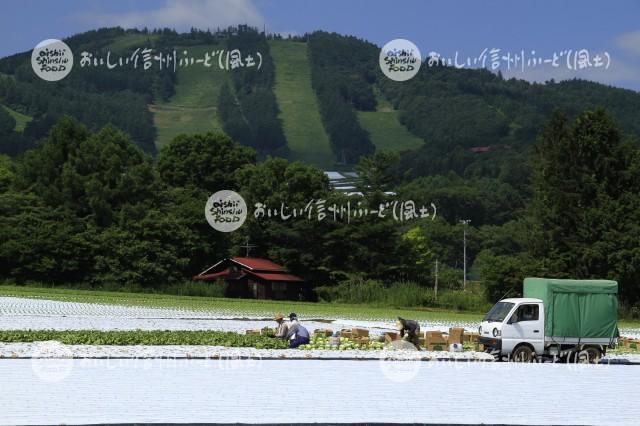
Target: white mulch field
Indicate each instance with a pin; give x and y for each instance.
(248, 391)
(41, 314)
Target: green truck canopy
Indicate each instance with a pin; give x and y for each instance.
(576, 308)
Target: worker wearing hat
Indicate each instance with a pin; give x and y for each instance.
(410, 328)
(297, 333)
(282, 330)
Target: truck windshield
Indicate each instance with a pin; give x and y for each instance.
(499, 312)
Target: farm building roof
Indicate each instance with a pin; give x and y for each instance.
(256, 267)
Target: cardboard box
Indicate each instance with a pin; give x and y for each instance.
(390, 336)
(346, 333)
(473, 337)
(323, 332)
(361, 340)
(359, 332)
(435, 337)
(456, 335)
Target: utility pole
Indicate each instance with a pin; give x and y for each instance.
(464, 223)
(248, 247)
(435, 289)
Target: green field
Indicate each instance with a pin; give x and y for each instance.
(21, 119)
(147, 337)
(299, 112)
(238, 307)
(193, 108)
(385, 130)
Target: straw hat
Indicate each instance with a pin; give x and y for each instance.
(278, 316)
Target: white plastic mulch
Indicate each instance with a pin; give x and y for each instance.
(53, 349)
(61, 391)
(40, 314)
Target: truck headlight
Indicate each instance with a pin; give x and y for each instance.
(496, 332)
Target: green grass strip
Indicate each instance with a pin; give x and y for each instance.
(140, 337)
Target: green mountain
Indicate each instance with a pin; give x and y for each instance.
(319, 98)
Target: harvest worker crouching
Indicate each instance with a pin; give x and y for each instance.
(282, 329)
(411, 328)
(297, 333)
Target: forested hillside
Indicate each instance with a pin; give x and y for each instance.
(442, 116)
(547, 174)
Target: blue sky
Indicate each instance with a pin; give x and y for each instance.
(446, 27)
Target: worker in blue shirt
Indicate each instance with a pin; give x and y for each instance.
(296, 333)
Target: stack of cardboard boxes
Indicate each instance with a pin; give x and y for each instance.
(629, 343)
(435, 341)
(456, 335)
(431, 340)
(360, 336)
(323, 332)
(390, 336)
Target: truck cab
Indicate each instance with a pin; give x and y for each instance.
(514, 324)
(557, 319)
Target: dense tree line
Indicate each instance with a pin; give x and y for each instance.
(90, 208)
(582, 220)
(342, 71)
(96, 96)
(247, 107)
(553, 197)
(454, 110)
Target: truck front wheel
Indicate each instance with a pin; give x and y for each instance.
(522, 353)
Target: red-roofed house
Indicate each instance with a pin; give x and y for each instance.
(255, 278)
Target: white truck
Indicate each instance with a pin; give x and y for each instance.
(558, 320)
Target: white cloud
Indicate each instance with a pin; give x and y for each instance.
(183, 15)
(630, 42)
